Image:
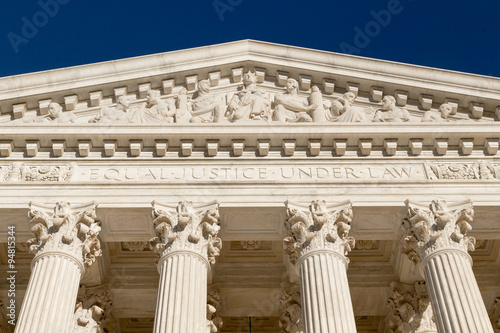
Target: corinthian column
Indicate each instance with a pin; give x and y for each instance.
(318, 243)
(186, 243)
(437, 239)
(65, 243)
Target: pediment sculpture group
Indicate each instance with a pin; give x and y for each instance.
(247, 104)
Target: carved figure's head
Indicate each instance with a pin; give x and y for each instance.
(388, 102)
(123, 102)
(349, 96)
(183, 91)
(445, 110)
(291, 84)
(152, 96)
(55, 110)
(249, 78)
(204, 86)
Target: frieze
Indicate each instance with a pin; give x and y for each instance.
(320, 173)
(251, 173)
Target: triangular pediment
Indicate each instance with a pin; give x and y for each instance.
(86, 90)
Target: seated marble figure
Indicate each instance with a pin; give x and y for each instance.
(390, 112)
(249, 103)
(154, 111)
(207, 107)
(344, 110)
(290, 107)
(118, 115)
(56, 115)
(438, 116)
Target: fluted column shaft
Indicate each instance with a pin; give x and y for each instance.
(326, 301)
(50, 298)
(317, 244)
(186, 242)
(437, 238)
(456, 301)
(182, 294)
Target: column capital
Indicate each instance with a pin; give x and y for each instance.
(318, 228)
(410, 309)
(65, 229)
(439, 227)
(187, 228)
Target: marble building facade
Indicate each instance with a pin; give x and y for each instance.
(250, 184)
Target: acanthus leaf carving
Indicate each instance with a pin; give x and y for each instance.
(214, 300)
(291, 320)
(427, 230)
(63, 228)
(186, 227)
(410, 309)
(93, 310)
(319, 227)
(87, 320)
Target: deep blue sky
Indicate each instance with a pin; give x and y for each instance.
(458, 35)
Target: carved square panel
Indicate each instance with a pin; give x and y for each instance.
(264, 223)
(371, 250)
(486, 250)
(486, 223)
(136, 325)
(135, 246)
(129, 252)
(367, 324)
(135, 225)
(242, 324)
(377, 222)
(251, 251)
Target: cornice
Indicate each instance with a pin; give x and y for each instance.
(244, 50)
(410, 140)
(412, 80)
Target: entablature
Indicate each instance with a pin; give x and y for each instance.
(351, 140)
